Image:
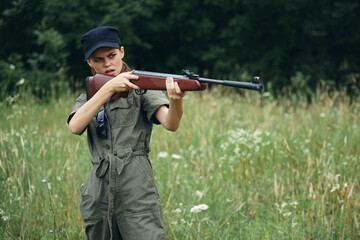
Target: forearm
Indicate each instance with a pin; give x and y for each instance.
(170, 117)
(84, 115)
(174, 115)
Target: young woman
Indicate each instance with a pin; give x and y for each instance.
(119, 198)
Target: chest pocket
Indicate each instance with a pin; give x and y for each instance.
(122, 112)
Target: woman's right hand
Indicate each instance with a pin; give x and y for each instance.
(121, 83)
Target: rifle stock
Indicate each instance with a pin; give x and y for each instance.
(157, 81)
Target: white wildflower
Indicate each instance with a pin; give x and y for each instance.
(20, 82)
(199, 193)
(5, 218)
(44, 180)
(176, 156)
(293, 224)
(178, 210)
(287, 214)
(12, 67)
(199, 208)
(2, 212)
(163, 154)
(336, 187)
(345, 185)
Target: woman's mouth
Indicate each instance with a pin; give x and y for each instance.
(109, 72)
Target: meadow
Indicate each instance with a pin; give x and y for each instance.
(241, 166)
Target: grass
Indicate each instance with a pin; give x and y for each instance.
(266, 169)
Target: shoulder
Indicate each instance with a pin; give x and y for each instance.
(81, 98)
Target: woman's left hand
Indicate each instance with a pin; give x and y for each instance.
(173, 89)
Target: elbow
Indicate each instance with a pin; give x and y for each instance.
(172, 128)
(75, 130)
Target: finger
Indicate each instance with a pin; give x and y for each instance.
(129, 75)
(126, 79)
(132, 85)
(169, 83)
(177, 88)
(133, 76)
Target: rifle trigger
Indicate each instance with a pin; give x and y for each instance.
(140, 92)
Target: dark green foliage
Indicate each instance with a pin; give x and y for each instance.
(291, 44)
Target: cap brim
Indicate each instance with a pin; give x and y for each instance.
(103, 44)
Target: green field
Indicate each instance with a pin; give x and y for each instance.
(266, 169)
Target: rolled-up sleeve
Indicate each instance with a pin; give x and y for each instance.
(151, 102)
(81, 100)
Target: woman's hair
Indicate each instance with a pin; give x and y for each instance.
(93, 72)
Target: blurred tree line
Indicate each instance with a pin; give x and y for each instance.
(291, 44)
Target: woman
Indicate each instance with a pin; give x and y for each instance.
(120, 199)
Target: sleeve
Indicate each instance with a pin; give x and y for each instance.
(81, 100)
(151, 102)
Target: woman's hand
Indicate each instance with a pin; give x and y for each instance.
(173, 89)
(121, 83)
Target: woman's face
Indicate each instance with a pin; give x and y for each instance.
(107, 60)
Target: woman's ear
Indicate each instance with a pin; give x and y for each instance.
(122, 52)
(88, 62)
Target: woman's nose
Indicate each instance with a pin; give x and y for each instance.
(107, 63)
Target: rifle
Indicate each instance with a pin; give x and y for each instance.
(157, 81)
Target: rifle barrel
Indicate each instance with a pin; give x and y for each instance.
(245, 85)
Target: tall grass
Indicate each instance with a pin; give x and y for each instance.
(264, 168)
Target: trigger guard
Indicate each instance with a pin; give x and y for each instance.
(140, 92)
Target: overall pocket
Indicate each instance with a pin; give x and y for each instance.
(145, 168)
(122, 112)
(89, 206)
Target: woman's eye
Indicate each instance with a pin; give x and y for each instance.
(112, 55)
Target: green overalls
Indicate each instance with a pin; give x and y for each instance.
(119, 198)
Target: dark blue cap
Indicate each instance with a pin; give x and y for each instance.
(100, 37)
